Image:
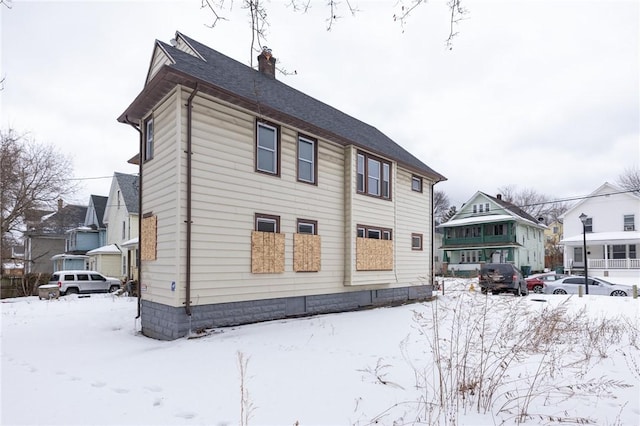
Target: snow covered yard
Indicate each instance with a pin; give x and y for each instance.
(463, 359)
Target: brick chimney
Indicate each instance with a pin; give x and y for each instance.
(499, 196)
(267, 63)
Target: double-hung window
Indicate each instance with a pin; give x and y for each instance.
(373, 176)
(267, 148)
(148, 138)
(629, 222)
(588, 226)
(307, 159)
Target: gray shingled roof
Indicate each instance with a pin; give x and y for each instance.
(272, 97)
(99, 205)
(130, 190)
(512, 208)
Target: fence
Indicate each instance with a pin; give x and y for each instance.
(22, 286)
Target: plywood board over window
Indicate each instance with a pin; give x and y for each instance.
(374, 255)
(306, 253)
(267, 252)
(149, 238)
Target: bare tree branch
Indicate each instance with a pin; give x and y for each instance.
(630, 179)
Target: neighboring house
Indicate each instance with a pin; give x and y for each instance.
(122, 222)
(553, 250)
(106, 260)
(46, 236)
(438, 252)
(490, 229)
(78, 241)
(612, 235)
(260, 202)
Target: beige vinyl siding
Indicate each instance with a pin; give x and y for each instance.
(413, 216)
(109, 265)
(160, 186)
(184, 46)
(227, 193)
(158, 59)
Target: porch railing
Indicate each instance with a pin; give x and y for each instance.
(614, 263)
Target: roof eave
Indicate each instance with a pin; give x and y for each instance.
(167, 78)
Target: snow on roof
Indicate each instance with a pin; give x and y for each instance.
(130, 243)
(477, 219)
(620, 237)
(110, 249)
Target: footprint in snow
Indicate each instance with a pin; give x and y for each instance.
(98, 384)
(186, 415)
(153, 388)
(157, 402)
(120, 390)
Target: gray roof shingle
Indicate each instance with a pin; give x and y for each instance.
(130, 190)
(273, 98)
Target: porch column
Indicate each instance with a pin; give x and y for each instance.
(606, 256)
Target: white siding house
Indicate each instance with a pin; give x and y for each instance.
(117, 258)
(612, 235)
(260, 202)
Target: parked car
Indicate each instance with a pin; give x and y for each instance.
(570, 285)
(502, 278)
(74, 282)
(535, 283)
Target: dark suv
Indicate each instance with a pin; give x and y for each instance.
(502, 277)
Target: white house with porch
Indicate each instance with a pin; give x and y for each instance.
(612, 236)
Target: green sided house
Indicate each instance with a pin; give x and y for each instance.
(491, 230)
(259, 202)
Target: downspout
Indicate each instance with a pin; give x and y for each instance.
(433, 243)
(187, 304)
(140, 147)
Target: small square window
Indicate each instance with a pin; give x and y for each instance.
(416, 183)
(307, 227)
(267, 223)
(416, 241)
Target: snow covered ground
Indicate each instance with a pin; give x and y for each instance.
(463, 358)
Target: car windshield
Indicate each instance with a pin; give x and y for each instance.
(603, 281)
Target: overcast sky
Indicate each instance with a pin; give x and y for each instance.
(536, 94)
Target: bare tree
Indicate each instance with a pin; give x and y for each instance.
(32, 176)
(449, 214)
(534, 203)
(630, 179)
(441, 205)
(259, 21)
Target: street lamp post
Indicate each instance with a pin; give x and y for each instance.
(583, 218)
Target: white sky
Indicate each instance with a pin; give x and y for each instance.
(537, 94)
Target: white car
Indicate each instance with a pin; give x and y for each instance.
(75, 282)
(570, 285)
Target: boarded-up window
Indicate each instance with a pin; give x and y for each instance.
(306, 253)
(267, 252)
(374, 255)
(149, 238)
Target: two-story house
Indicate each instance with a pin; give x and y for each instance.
(80, 240)
(612, 235)
(260, 202)
(490, 229)
(45, 237)
(115, 258)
